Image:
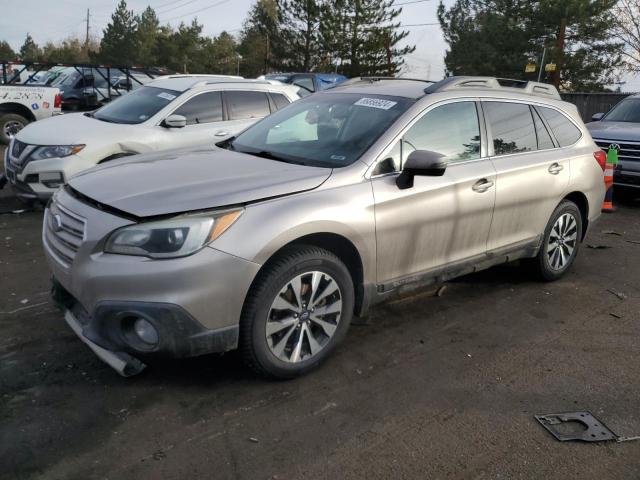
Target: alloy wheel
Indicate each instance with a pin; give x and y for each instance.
(12, 127)
(562, 241)
(303, 316)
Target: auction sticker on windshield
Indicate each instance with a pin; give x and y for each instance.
(166, 96)
(375, 103)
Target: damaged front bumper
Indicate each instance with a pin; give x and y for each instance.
(110, 331)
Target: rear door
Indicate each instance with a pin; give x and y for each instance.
(204, 116)
(533, 173)
(440, 220)
(243, 108)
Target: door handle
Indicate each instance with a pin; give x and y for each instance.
(221, 133)
(555, 168)
(482, 186)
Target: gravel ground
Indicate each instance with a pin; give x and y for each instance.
(429, 387)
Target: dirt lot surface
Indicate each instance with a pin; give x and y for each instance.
(431, 387)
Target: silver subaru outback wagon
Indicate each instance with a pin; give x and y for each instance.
(272, 241)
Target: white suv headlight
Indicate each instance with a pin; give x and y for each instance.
(55, 151)
(177, 237)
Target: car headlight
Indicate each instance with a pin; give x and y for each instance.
(55, 151)
(177, 237)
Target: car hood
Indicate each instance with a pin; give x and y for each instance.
(615, 131)
(178, 181)
(71, 129)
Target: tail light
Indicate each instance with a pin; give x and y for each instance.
(601, 158)
(57, 102)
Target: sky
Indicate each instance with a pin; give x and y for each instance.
(58, 19)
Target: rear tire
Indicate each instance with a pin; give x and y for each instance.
(10, 125)
(560, 244)
(284, 334)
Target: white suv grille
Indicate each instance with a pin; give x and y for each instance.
(64, 232)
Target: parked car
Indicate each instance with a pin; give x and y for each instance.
(620, 129)
(87, 88)
(171, 112)
(308, 82)
(21, 105)
(273, 241)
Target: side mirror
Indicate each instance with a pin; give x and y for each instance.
(175, 121)
(597, 117)
(423, 163)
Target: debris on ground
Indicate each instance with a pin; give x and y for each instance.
(637, 242)
(253, 439)
(612, 232)
(582, 426)
(615, 315)
(441, 290)
(620, 295)
(599, 247)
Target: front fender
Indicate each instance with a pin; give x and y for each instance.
(266, 227)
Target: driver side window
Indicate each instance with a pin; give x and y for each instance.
(452, 130)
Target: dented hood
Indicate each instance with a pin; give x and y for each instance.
(179, 181)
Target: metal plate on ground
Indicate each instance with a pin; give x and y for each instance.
(582, 426)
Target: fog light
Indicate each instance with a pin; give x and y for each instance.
(145, 331)
(52, 179)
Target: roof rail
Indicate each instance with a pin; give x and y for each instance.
(373, 79)
(493, 83)
(239, 80)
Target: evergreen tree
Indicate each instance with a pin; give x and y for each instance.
(300, 30)
(499, 37)
(262, 45)
(118, 45)
(146, 37)
(224, 55)
(6, 52)
(29, 50)
(362, 36)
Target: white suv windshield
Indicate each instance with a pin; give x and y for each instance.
(137, 106)
(324, 130)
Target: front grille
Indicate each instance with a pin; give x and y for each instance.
(64, 233)
(627, 151)
(18, 148)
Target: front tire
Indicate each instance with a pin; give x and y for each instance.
(296, 313)
(561, 242)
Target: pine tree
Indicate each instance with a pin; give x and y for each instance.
(146, 37)
(118, 45)
(300, 30)
(499, 37)
(29, 50)
(262, 44)
(363, 36)
(6, 52)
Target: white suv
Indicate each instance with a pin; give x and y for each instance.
(171, 112)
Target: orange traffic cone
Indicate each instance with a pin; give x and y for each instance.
(612, 159)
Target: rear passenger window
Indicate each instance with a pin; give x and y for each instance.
(244, 105)
(280, 100)
(512, 127)
(451, 130)
(203, 108)
(563, 129)
(544, 139)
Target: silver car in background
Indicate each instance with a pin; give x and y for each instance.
(273, 241)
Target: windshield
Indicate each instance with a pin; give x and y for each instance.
(323, 130)
(626, 111)
(137, 106)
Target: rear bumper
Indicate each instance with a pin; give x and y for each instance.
(109, 331)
